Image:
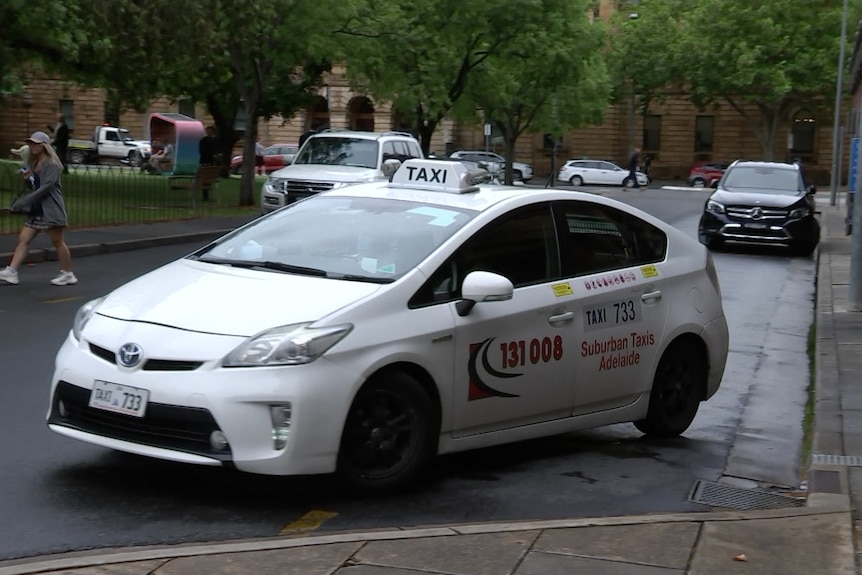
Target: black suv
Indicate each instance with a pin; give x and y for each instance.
(762, 203)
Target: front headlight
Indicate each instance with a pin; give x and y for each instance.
(83, 315)
(273, 184)
(714, 207)
(294, 344)
(799, 213)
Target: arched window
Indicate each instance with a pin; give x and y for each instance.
(361, 114)
(318, 114)
(803, 132)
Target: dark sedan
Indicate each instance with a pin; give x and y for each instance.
(761, 203)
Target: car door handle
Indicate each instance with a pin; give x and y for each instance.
(561, 317)
(651, 295)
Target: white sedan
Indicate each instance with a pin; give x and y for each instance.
(366, 329)
(598, 172)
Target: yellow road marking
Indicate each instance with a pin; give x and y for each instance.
(308, 522)
(63, 299)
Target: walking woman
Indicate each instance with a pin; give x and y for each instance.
(46, 209)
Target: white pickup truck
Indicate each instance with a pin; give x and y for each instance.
(109, 142)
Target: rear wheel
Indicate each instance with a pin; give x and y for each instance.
(76, 157)
(517, 175)
(677, 389)
(390, 434)
(577, 181)
(698, 183)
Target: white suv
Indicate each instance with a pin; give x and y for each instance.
(336, 158)
(495, 162)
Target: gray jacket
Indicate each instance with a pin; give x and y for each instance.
(50, 194)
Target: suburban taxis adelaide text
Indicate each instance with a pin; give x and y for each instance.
(618, 352)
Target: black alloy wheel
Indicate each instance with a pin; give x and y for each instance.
(390, 434)
(677, 390)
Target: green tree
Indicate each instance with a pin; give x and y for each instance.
(551, 78)
(419, 55)
(760, 57)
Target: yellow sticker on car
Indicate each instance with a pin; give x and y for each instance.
(562, 289)
(649, 271)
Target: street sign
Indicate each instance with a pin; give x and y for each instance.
(854, 161)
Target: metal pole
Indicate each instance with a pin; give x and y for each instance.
(854, 293)
(833, 188)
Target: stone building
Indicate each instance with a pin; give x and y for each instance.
(673, 132)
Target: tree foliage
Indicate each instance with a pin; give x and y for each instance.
(762, 58)
(550, 78)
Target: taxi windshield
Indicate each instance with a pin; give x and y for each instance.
(357, 239)
(339, 151)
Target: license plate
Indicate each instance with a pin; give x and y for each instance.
(119, 398)
(755, 226)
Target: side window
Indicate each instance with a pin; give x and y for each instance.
(414, 150)
(596, 238)
(389, 152)
(112, 136)
(520, 246)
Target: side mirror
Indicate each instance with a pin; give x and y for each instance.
(482, 286)
(389, 168)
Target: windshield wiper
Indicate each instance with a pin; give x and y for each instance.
(268, 265)
(360, 278)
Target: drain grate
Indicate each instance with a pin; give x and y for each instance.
(841, 460)
(732, 497)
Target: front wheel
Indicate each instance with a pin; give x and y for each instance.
(389, 436)
(135, 159)
(678, 387)
(630, 183)
(698, 183)
(577, 181)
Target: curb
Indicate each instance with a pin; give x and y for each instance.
(50, 254)
(63, 562)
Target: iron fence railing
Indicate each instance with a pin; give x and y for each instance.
(114, 195)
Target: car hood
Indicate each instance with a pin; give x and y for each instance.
(324, 173)
(753, 197)
(137, 143)
(223, 300)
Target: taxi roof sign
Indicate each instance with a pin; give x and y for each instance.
(440, 176)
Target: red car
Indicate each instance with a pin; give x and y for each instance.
(275, 157)
(706, 173)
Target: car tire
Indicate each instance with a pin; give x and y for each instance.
(76, 157)
(630, 183)
(677, 390)
(135, 159)
(517, 175)
(714, 244)
(389, 436)
(236, 170)
(807, 246)
(698, 183)
(577, 181)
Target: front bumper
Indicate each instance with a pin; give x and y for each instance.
(186, 406)
(773, 232)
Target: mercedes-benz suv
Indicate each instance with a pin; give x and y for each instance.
(336, 158)
(761, 203)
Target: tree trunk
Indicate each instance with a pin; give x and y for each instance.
(246, 187)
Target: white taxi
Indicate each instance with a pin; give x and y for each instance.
(366, 329)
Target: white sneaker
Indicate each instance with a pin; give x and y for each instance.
(9, 275)
(64, 279)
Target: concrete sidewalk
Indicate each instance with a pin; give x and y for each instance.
(814, 539)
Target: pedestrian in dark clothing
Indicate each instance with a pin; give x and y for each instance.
(208, 148)
(61, 141)
(634, 161)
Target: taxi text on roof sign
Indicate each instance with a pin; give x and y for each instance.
(449, 177)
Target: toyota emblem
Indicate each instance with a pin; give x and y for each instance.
(130, 355)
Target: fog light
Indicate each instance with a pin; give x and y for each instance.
(280, 415)
(61, 409)
(218, 440)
